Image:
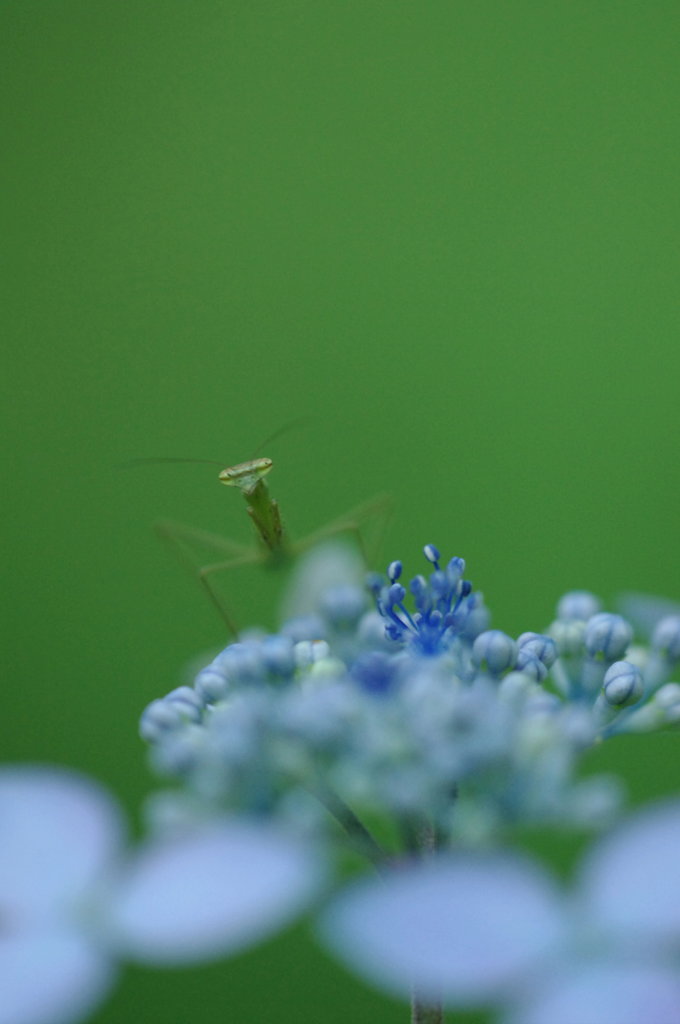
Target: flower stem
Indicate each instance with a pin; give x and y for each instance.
(426, 1012)
(360, 837)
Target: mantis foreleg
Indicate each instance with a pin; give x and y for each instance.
(377, 510)
(185, 541)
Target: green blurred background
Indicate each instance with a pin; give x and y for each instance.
(447, 232)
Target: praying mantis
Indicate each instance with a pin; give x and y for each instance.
(273, 547)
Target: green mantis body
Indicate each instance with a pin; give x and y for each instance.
(262, 509)
(274, 548)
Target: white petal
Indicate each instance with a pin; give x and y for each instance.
(324, 566)
(218, 889)
(49, 977)
(630, 881)
(58, 832)
(605, 994)
(462, 928)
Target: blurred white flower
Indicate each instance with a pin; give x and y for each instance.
(72, 902)
(330, 564)
(494, 930)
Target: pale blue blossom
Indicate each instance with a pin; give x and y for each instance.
(74, 900)
(412, 710)
(411, 713)
(406, 711)
(60, 837)
(495, 930)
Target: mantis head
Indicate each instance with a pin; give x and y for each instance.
(246, 475)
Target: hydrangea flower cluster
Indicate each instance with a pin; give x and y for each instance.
(397, 713)
(414, 713)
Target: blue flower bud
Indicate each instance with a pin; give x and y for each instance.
(666, 638)
(278, 655)
(242, 662)
(623, 684)
(394, 570)
(185, 695)
(431, 553)
(421, 594)
(607, 636)
(476, 620)
(418, 585)
(211, 684)
(374, 671)
(495, 651)
(162, 716)
(524, 638)
(578, 604)
(528, 663)
(455, 569)
(542, 647)
(395, 595)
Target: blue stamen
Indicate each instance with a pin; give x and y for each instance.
(431, 554)
(394, 571)
(442, 605)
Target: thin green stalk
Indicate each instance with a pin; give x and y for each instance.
(425, 1011)
(360, 837)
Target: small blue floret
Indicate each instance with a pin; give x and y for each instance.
(578, 604)
(494, 651)
(374, 671)
(607, 636)
(623, 684)
(431, 553)
(542, 647)
(443, 605)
